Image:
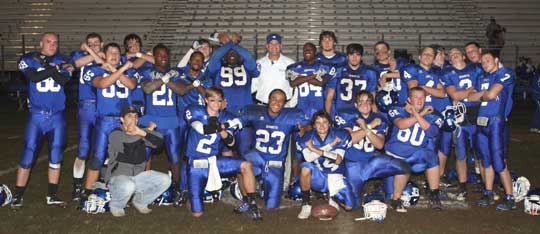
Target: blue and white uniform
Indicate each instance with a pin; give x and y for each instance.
(46, 102)
(326, 176)
(202, 151)
(311, 97)
(491, 117)
(462, 80)
(361, 163)
(236, 85)
(137, 94)
(161, 109)
(348, 82)
(335, 61)
(399, 83)
(87, 106)
(272, 135)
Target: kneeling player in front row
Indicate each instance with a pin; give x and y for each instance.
(367, 131)
(209, 126)
(323, 149)
(273, 126)
(413, 125)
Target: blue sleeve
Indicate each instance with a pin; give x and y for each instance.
(333, 82)
(193, 113)
(396, 113)
(383, 127)
(409, 73)
(345, 142)
(401, 63)
(372, 81)
(507, 78)
(249, 62)
(75, 55)
(144, 74)
(435, 123)
(134, 74)
(26, 63)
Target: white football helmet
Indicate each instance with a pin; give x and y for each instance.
(5, 195)
(459, 111)
(520, 188)
(532, 202)
(374, 210)
(98, 202)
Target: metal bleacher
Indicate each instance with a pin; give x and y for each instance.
(405, 24)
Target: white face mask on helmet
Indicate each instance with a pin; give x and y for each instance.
(520, 188)
(532, 202)
(374, 210)
(5, 195)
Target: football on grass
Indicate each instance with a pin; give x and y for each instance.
(324, 212)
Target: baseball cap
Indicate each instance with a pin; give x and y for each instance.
(273, 36)
(128, 109)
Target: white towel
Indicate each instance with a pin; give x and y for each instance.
(335, 183)
(214, 179)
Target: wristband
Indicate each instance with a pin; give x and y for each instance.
(138, 54)
(330, 155)
(196, 83)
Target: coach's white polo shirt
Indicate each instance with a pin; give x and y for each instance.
(273, 76)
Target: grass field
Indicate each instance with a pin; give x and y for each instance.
(35, 217)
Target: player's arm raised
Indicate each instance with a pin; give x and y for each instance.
(105, 82)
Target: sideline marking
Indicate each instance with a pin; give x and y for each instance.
(14, 137)
(39, 160)
(515, 140)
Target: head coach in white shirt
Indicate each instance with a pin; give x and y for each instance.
(273, 67)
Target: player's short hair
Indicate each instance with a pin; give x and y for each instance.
(160, 46)
(355, 48)
(94, 35)
(427, 47)
(493, 53)
(50, 33)
(473, 43)
(277, 91)
(214, 92)
(310, 44)
(109, 45)
(321, 114)
(132, 36)
(366, 93)
(328, 34)
(196, 53)
(382, 42)
(416, 89)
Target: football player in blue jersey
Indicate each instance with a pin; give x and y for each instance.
(413, 125)
(113, 88)
(493, 90)
(161, 92)
(324, 148)
(368, 130)
(47, 72)
(460, 81)
(473, 51)
(388, 69)
(444, 141)
(349, 80)
(233, 73)
(89, 55)
(328, 55)
(310, 76)
(273, 126)
(133, 48)
(209, 127)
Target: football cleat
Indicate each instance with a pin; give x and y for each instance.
(487, 199)
(180, 198)
(509, 203)
(305, 212)
(462, 194)
(241, 208)
(77, 192)
(435, 201)
(254, 212)
(17, 203)
(53, 199)
(397, 205)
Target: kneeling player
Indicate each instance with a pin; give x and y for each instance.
(367, 131)
(413, 125)
(273, 126)
(323, 149)
(204, 167)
